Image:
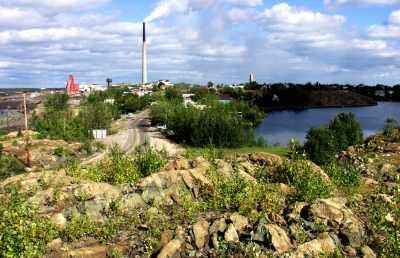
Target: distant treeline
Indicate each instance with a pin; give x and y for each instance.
(290, 95)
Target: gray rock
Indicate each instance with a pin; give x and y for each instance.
(171, 249)
(239, 222)
(279, 238)
(200, 231)
(59, 220)
(323, 245)
(231, 235)
(131, 202)
(367, 252)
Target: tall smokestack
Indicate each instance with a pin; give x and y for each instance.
(144, 56)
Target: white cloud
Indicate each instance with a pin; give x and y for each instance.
(251, 3)
(191, 40)
(389, 31)
(56, 6)
(283, 17)
(360, 2)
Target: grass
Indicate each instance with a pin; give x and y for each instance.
(192, 152)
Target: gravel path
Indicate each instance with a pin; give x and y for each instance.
(138, 132)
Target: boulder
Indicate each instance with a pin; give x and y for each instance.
(295, 214)
(200, 231)
(231, 235)
(59, 220)
(239, 222)
(367, 252)
(279, 238)
(324, 245)
(171, 249)
(219, 226)
(95, 251)
(334, 212)
(55, 245)
(224, 168)
(166, 237)
(177, 164)
(131, 202)
(90, 190)
(387, 169)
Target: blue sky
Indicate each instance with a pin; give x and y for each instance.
(332, 41)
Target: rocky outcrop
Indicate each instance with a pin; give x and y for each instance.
(334, 212)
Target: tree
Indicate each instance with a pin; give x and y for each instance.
(173, 94)
(347, 130)
(210, 84)
(57, 101)
(320, 145)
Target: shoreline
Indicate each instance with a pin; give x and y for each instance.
(297, 108)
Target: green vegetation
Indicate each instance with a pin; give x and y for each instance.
(23, 233)
(9, 166)
(390, 128)
(346, 175)
(305, 179)
(211, 153)
(222, 125)
(346, 130)
(119, 167)
(322, 144)
(238, 193)
(78, 228)
(58, 121)
(377, 213)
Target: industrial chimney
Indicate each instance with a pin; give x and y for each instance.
(144, 56)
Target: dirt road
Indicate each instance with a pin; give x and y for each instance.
(138, 131)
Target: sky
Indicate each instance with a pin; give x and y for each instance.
(196, 41)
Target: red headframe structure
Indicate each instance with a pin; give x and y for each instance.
(72, 87)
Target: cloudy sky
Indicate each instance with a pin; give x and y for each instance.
(343, 41)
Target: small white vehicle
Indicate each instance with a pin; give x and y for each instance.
(130, 116)
(162, 127)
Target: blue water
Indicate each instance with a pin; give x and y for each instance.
(281, 126)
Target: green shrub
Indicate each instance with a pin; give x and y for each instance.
(346, 175)
(347, 130)
(23, 233)
(78, 228)
(389, 129)
(309, 186)
(323, 143)
(119, 167)
(147, 160)
(239, 193)
(320, 145)
(10, 166)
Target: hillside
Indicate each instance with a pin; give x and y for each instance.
(248, 205)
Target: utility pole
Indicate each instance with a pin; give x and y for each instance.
(28, 154)
(8, 123)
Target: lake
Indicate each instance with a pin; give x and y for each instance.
(281, 126)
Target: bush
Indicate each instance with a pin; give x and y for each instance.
(10, 166)
(238, 193)
(389, 129)
(309, 186)
(323, 143)
(23, 233)
(78, 228)
(347, 130)
(147, 160)
(320, 145)
(120, 167)
(219, 125)
(346, 175)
